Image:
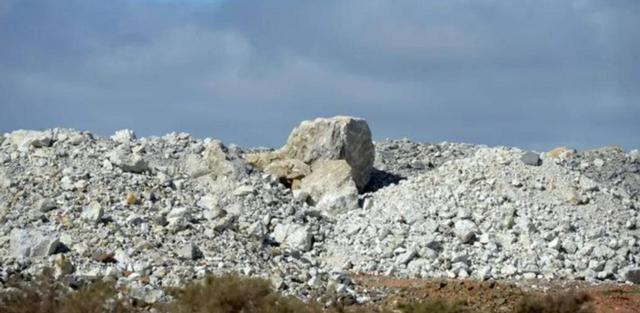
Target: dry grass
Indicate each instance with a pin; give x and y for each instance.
(230, 294)
(435, 306)
(562, 303)
(44, 295)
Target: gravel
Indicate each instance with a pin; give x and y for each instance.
(173, 208)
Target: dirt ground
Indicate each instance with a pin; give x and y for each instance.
(490, 296)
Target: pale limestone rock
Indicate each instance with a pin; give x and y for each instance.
(33, 243)
(294, 236)
(331, 186)
(23, 139)
(123, 136)
(337, 138)
(289, 170)
(127, 161)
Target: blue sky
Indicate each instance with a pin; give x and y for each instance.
(533, 74)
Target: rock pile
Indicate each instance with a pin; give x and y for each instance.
(496, 215)
(160, 211)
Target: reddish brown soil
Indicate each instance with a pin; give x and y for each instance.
(620, 299)
(495, 296)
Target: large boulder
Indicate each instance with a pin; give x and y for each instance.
(331, 186)
(338, 138)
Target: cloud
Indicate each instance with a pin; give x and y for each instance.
(533, 73)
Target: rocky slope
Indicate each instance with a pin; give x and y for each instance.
(156, 212)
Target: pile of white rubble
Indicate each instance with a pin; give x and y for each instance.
(157, 212)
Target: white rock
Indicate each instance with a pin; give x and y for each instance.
(294, 236)
(508, 270)
(331, 187)
(46, 205)
(338, 138)
(465, 230)
(23, 139)
(177, 217)
(127, 161)
(243, 190)
(124, 136)
(146, 294)
(189, 252)
(5, 180)
(66, 183)
(406, 257)
(33, 243)
(93, 212)
(598, 162)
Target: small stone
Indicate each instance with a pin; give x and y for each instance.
(224, 223)
(46, 205)
(66, 183)
(146, 294)
(560, 153)
(131, 199)
(243, 191)
(128, 162)
(123, 136)
(406, 257)
(93, 212)
(508, 270)
(33, 243)
(178, 219)
(209, 202)
(189, 252)
(178, 215)
(294, 236)
(555, 244)
(104, 257)
(368, 204)
(465, 230)
(464, 213)
(531, 158)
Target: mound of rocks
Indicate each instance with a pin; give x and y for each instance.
(492, 215)
(152, 213)
(156, 212)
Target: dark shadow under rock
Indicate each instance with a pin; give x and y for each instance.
(380, 179)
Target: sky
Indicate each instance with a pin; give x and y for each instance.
(535, 74)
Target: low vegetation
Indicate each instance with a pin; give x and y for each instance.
(230, 294)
